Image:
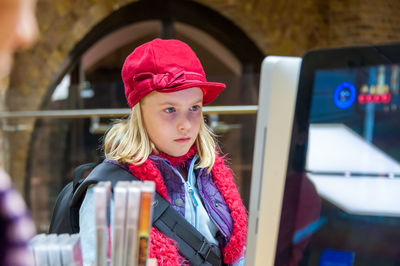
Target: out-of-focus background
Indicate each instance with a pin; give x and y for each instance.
(77, 60)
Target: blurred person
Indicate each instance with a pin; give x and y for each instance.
(18, 30)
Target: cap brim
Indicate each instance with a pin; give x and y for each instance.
(210, 89)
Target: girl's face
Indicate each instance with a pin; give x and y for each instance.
(172, 120)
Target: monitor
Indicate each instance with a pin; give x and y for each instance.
(341, 193)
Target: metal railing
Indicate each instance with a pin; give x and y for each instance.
(89, 113)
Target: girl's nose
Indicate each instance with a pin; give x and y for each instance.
(27, 28)
(183, 124)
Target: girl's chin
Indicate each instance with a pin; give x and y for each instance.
(177, 153)
(175, 150)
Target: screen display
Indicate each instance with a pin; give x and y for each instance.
(354, 122)
(341, 203)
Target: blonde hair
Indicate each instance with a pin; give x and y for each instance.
(128, 142)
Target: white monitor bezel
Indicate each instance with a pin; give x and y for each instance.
(277, 99)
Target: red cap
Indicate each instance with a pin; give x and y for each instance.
(165, 66)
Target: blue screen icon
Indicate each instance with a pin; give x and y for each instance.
(332, 257)
(345, 95)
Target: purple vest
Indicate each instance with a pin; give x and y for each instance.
(212, 199)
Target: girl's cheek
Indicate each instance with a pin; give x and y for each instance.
(194, 116)
(168, 117)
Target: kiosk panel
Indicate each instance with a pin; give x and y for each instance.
(342, 188)
(339, 201)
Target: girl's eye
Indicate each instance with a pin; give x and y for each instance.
(170, 110)
(195, 108)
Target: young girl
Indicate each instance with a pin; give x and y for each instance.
(166, 140)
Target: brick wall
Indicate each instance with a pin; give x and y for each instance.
(276, 27)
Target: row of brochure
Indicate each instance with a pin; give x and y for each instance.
(133, 203)
(131, 225)
(55, 249)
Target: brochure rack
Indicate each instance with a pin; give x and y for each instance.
(122, 221)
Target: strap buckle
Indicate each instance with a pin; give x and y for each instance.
(205, 250)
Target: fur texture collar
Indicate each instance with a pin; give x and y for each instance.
(163, 248)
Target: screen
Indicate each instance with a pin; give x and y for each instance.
(341, 204)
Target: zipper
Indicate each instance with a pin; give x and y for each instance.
(191, 193)
(194, 202)
(192, 197)
(190, 190)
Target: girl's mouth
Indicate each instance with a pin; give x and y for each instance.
(182, 140)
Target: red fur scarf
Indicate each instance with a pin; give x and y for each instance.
(163, 248)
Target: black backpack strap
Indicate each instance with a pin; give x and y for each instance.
(79, 172)
(192, 244)
(106, 171)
